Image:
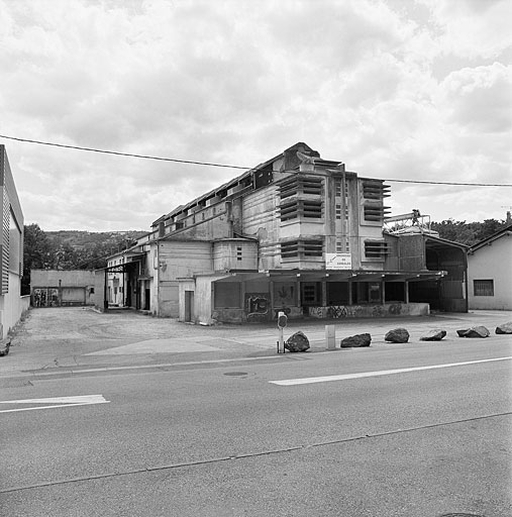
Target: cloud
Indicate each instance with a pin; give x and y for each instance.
(393, 89)
(478, 96)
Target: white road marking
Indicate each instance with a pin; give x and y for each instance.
(378, 373)
(55, 402)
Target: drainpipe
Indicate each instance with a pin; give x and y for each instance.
(105, 301)
(465, 280)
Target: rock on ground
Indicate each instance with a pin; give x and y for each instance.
(5, 344)
(504, 328)
(356, 341)
(297, 342)
(434, 335)
(399, 335)
(478, 331)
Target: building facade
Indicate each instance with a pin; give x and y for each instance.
(297, 234)
(56, 288)
(490, 272)
(12, 304)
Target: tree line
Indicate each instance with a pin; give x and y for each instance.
(69, 250)
(468, 233)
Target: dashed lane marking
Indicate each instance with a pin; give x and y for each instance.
(378, 373)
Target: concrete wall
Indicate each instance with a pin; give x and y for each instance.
(204, 299)
(12, 306)
(178, 259)
(51, 277)
(411, 252)
(77, 287)
(260, 221)
(235, 254)
(370, 311)
(492, 262)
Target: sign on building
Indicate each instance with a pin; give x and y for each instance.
(338, 261)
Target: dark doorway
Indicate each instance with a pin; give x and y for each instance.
(189, 305)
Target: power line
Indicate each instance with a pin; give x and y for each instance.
(224, 165)
(451, 183)
(118, 153)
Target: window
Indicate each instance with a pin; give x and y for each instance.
(375, 190)
(239, 253)
(374, 213)
(227, 295)
(263, 177)
(296, 208)
(375, 249)
(483, 287)
(338, 212)
(300, 185)
(301, 249)
(342, 247)
(338, 293)
(338, 192)
(311, 293)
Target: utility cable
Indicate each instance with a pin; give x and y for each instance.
(225, 165)
(129, 155)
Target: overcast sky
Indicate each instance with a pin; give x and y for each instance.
(395, 89)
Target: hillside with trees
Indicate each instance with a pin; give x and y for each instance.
(468, 233)
(68, 250)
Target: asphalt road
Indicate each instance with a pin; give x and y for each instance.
(417, 429)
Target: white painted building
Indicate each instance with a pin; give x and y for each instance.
(490, 272)
(12, 304)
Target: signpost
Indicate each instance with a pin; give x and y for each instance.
(282, 321)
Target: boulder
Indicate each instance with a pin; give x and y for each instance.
(504, 328)
(297, 342)
(356, 341)
(434, 335)
(479, 331)
(399, 335)
(5, 344)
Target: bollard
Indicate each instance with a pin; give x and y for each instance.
(330, 337)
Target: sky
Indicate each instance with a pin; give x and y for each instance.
(396, 89)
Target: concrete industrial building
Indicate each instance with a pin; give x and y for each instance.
(297, 234)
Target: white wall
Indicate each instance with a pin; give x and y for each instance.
(12, 306)
(492, 262)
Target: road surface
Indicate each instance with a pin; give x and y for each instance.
(418, 429)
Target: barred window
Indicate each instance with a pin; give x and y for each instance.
(375, 249)
(483, 287)
(301, 249)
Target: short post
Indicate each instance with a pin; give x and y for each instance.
(282, 321)
(330, 337)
